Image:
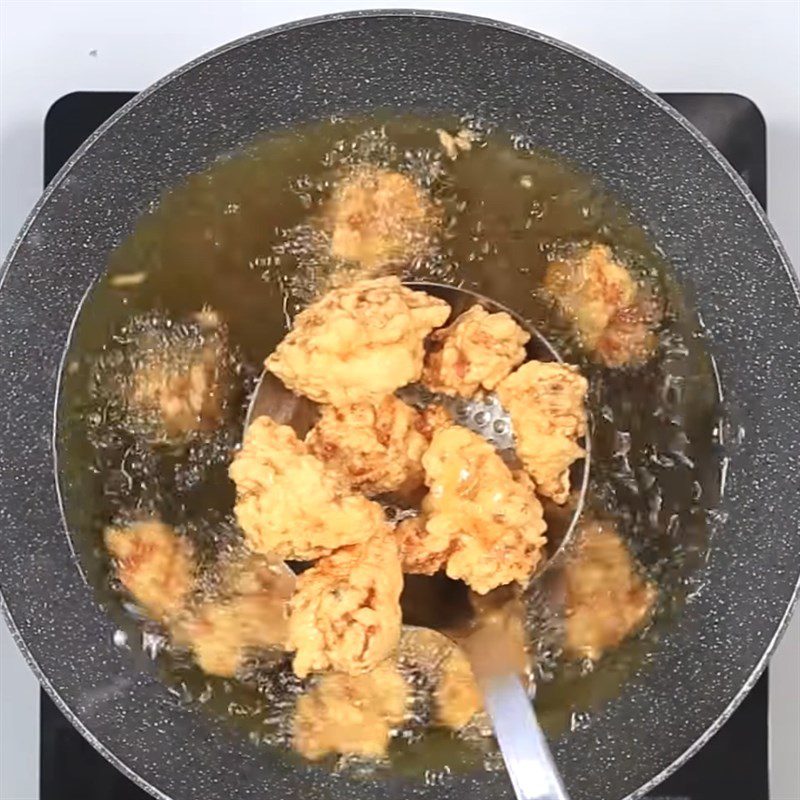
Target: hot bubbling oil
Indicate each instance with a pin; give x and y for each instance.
(238, 238)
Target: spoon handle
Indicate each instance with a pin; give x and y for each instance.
(530, 765)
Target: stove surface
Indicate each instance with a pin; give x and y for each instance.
(732, 765)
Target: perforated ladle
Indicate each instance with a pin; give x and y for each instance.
(530, 765)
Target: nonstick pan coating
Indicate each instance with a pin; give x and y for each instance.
(699, 213)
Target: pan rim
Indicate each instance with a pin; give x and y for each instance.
(374, 14)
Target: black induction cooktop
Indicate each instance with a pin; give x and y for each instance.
(733, 765)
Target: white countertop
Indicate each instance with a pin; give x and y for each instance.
(48, 49)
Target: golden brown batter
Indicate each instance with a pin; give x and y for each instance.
(613, 316)
(476, 352)
(430, 658)
(421, 552)
(377, 217)
(248, 614)
(289, 504)
(155, 565)
(457, 697)
(607, 598)
(350, 714)
(376, 448)
(178, 387)
(434, 417)
(345, 614)
(546, 403)
(493, 523)
(358, 343)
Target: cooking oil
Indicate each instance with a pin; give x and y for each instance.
(243, 240)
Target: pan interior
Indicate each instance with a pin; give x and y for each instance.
(236, 238)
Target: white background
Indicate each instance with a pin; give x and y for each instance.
(48, 49)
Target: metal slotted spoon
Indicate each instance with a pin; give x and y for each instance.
(442, 604)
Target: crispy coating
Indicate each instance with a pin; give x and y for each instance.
(607, 599)
(177, 387)
(457, 698)
(350, 714)
(377, 448)
(155, 565)
(546, 403)
(249, 613)
(345, 614)
(421, 553)
(288, 504)
(613, 316)
(377, 217)
(358, 343)
(498, 641)
(430, 658)
(494, 524)
(631, 339)
(476, 352)
(496, 644)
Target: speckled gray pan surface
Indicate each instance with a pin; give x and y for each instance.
(699, 214)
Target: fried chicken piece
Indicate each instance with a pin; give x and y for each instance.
(288, 504)
(249, 613)
(377, 217)
(613, 316)
(155, 565)
(345, 614)
(498, 641)
(496, 644)
(358, 343)
(377, 448)
(494, 525)
(607, 599)
(350, 714)
(457, 697)
(177, 386)
(545, 400)
(476, 352)
(631, 339)
(421, 553)
(427, 657)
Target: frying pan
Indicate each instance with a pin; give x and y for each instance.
(701, 216)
